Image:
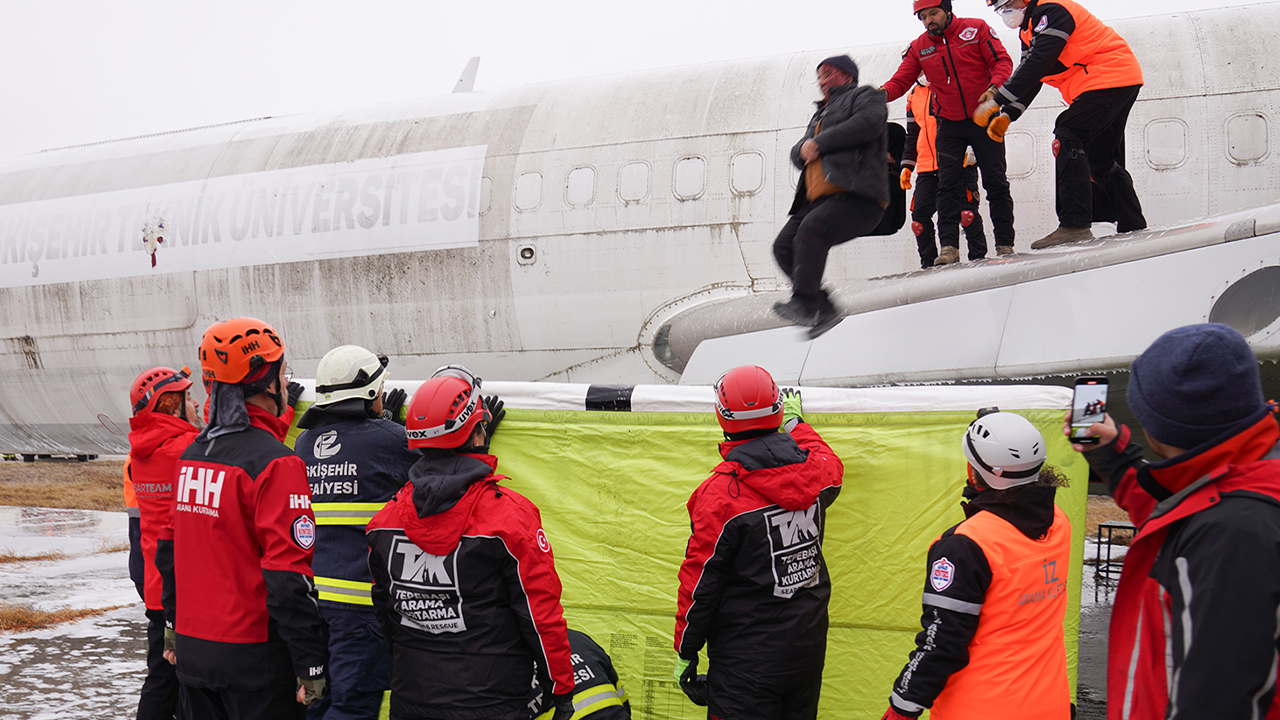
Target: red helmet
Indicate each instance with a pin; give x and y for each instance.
(918, 5)
(747, 398)
(445, 409)
(150, 385)
(231, 351)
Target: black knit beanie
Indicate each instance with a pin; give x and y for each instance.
(842, 62)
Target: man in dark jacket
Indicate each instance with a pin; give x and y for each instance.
(965, 62)
(356, 461)
(1194, 628)
(754, 585)
(464, 583)
(842, 192)
(241, 620)
(597, 691)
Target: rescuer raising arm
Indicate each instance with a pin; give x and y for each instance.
(240, 605)
(754, 585)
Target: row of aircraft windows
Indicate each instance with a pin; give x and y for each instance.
(1248, 138)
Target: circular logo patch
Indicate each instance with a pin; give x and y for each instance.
(304, 532)
(543, 542)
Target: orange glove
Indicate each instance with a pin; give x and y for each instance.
(904, 181)
(998, 127)
(983, 114)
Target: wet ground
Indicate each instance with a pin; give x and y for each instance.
(93, 668)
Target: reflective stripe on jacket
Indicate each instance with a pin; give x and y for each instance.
(1095, 56)
(1017, 659)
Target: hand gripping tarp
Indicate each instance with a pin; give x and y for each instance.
(612, 487)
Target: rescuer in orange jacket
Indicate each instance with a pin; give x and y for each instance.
(159, 431)
(996, 594)
(920, 157)
(1065, 46)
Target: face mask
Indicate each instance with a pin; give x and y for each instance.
(1011, 17)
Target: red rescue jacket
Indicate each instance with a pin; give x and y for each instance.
(155, 442)
(960, 65)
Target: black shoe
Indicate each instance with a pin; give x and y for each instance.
(826, 320)
(793, 312)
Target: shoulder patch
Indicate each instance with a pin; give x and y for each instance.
(304, 532)
(543, 543)
(993, 32)
(968, 33)
(941, 574)
(929, 50)
(1042, 25)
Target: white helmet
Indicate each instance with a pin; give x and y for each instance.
(347, 372)
(1005, 449)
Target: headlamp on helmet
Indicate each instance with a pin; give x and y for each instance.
(747, 398)
(444, 411)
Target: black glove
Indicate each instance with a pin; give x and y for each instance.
(496, 413)
(563, 705)
(295, 392)
(392, 402)
(693, 684)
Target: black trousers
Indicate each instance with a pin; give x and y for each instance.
(159, 697)
(1089, 145)
(278, 702)
(801, 247)
(954, 138)
(748, 694)
(924, 203)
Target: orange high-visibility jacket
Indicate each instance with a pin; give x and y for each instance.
(1096, 57)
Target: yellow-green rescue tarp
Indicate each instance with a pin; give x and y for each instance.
(612, 488)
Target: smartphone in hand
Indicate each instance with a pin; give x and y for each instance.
(1088, 406)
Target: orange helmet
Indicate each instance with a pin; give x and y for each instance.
(747, 398)
(150, 385)
(445, 409)
(231, 351)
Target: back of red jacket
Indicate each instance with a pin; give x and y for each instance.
(961, 64)
(241, 533)
(156, 440)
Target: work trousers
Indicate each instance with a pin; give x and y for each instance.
(812, 230)
(159, 697)
(748, 694)
(954, 139)
(277, 702)
(924, 203)
(359, 666)
(1089, 145)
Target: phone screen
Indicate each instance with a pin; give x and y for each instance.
(1088, 406)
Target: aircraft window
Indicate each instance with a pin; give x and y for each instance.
(580, 188)
(486, 194)
(690, 178)
(746, 173)
(633, 182)
(1166, 143)
(1248, 138)
(1020, 149)
(529, 191)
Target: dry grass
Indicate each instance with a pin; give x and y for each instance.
(96, 485)
(7, 556)
(16, 619)
(1103, 509)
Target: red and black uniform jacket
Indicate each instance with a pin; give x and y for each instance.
(236, 562)
(1194, 628)
(754, 585)
(961, 64)
(155, 442)
(466, 590)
